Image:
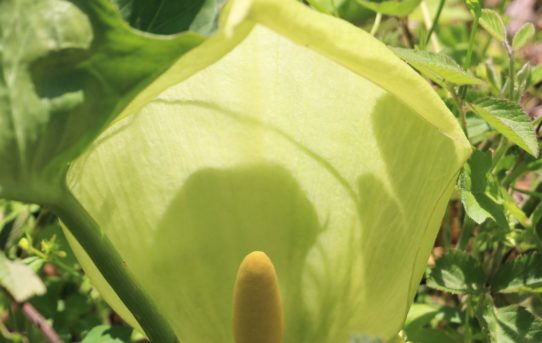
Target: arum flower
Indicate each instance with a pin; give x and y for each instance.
(281, 182)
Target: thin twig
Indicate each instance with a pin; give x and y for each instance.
(35, 317)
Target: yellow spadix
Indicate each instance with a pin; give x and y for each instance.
(257, 308)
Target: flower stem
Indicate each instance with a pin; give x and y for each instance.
(113, 268)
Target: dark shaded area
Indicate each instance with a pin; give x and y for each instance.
(160, 16)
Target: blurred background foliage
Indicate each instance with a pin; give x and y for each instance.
(484, 277)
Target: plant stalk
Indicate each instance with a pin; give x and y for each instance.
(468, 58)
(376, 23)
(113, 268)
(435, 21)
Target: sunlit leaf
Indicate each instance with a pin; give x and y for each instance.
(509, 119)
(492, 22)
(437, 67)
(523, 35)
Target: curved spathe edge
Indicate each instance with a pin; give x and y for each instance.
(334, 38)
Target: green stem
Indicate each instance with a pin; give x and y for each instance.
(468, 58)
(435, 21)
(376, 24)
(113, 268)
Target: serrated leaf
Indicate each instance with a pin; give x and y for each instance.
(393, 8)
(492, 22)
(19, 279)
(510, 324)
(524, 274)
(457, 272)
(478, 198)
(523, 35)
(509, 119)
(437, 67)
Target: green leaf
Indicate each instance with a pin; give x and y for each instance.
(523, 35)
(162, 16)
(511, 324)
(419, 319)
(19, 279)
(393, 8)
(78, 68)
(244, 151)
(524, 274)
(437, 67)
(492, 22)
(478, 198)
(509, 119)
(108, 334)
(457, 272)
(536, 74)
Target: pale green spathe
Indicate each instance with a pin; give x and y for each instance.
(289, 132)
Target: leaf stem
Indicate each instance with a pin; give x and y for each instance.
(114, 269)
(376, 23)
(435, 21)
